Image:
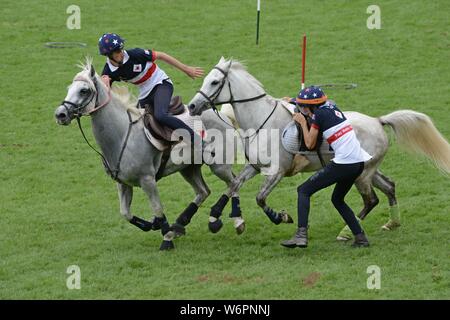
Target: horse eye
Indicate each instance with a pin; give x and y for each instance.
(84, 91)
(215, 83)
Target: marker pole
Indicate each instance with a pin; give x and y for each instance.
(303, 61)
(258, 12)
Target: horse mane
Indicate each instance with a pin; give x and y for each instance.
(239, 66)
(127, 100)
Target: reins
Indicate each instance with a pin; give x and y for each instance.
(113, 173)
(211, 100)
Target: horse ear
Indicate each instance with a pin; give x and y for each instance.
(228, 67)
(92, 72)
(222, 59)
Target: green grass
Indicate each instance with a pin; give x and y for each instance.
(58, 208)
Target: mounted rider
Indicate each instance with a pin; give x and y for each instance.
(137, 66)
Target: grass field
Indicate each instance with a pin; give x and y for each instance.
(58, 208)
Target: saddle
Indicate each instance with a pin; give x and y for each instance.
(158, 130)
(294, 143)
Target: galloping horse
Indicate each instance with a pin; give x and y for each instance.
(230, 82)
(119, 131)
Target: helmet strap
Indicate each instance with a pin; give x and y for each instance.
(117, 62)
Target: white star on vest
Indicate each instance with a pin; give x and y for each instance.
(115, 41)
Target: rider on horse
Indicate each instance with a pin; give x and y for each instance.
(343, 170)
(138, 67)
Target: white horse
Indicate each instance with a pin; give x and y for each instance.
(130, 158)
(230, 82)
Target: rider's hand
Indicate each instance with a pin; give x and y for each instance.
(194, 72)
(106, 80)
(287, 99)
(299, 118)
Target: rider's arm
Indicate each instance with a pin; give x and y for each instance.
(310, 135)
(193, 72)
(107, 80)
(106, 76)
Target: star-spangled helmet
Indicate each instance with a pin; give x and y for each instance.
(311, 96)
(109, 42)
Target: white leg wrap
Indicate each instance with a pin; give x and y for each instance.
(237, 221)
(169, 236)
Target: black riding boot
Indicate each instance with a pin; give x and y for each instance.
(360, 240)
(300, 239)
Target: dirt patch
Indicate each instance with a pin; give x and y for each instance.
(202, 278)
(311, 279)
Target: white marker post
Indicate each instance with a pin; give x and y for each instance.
(258, 12)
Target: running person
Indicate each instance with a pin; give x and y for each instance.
(343, 169)
(138, 67)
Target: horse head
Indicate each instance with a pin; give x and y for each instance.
(82, 95)
(214, 88)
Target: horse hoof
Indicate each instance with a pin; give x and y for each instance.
(341, 238)
(215, 226)
(179, 229)
(166, 245)
(345, 234)
(239, 224)
(391, 225)
(286, 217)
(240, 230)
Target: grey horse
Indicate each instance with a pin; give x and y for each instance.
(230, 82)
(115, 119)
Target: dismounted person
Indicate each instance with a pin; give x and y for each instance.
(343, 169)
(138, 67)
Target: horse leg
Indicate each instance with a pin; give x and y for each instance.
(387, 186)
(125, 198)
(369, 196)
(267, 187)
(370, 199)
(148, 184)
(193, 175)
(224, 172)
(215, 224)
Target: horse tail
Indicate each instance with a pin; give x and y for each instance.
(227, 109)
(416, 132)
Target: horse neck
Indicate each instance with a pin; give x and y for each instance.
(109, 125)
(248, 114)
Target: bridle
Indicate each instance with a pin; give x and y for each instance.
(78, 113)
(78, 108)
(211, 99)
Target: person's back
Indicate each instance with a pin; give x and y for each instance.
(339, 133)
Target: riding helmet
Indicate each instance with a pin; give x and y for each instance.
(110, 42)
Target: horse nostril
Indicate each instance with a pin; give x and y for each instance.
(61, 116)
(191, 106)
